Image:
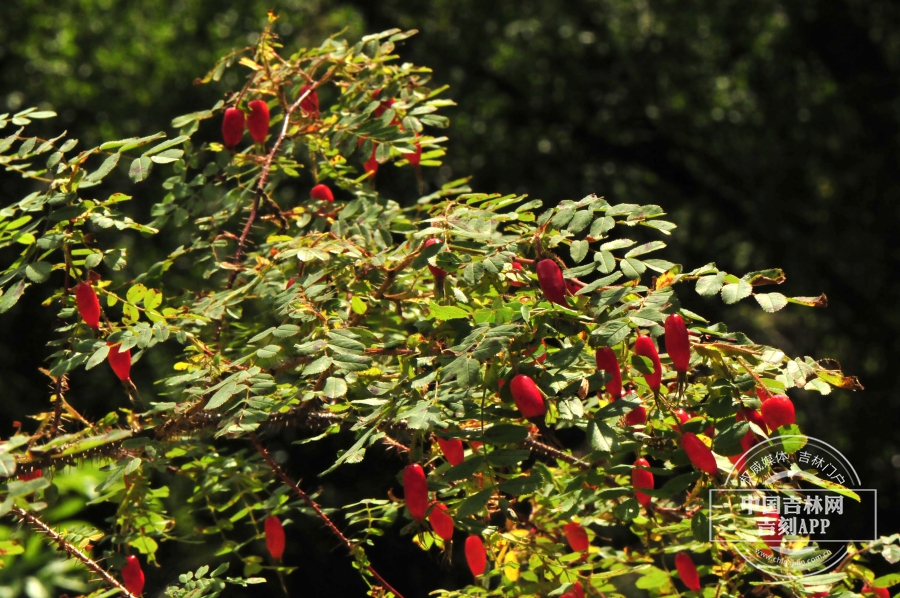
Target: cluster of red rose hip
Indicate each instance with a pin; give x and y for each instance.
(777, 411)
(257, 122)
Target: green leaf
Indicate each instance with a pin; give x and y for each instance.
(606, 262)
(358, 305)
(700, 526)
(613, 332)
(602, 282)
(632, 268)
(524, 484)
(771, 302)
(508, 457)
(645, 248)
(11, 547)
(140, 168)
(7, 465)
(627, 511)
(580, 221)
(446, 312)
(10, 298)
(268, 352)
(616, 244)
(334, 388)
(651, 578)
(887, 581)
(223, 394)
(602, 437)
(707, 286)
(318, 366)
(505, 434)
(465, 369)
(166, 145)
(565, 357)
(152, 299)
(578, 250)
(732, 293)
(93, 260)
(105, 168)
(136, 293)
(474, 503)
(167, 156)
(98, 357)
(38, 271)
(464, 470)
(601, 226)
(562, 217)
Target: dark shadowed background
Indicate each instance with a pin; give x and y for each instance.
(769, 130)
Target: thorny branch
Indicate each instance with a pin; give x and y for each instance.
(321, 514)
(63, 544)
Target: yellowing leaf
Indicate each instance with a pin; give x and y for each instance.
(511, 566)
(250, 64)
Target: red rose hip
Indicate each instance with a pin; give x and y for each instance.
(119, 361)
(309, 104)
(552, 283)
(476, 556)
(637, 416)
(778, 411)
(321, 192)
(644, 347)
(441, 522)
(517, 269)
(576, 536)
(868, 590)
(133, 575)
(88, 304)
(682, 416)
(438, 273)
(699, 454)
(415, 488)
(678, 345)
(232, 127)
(452, 449)
(274, 537)
(527, 397)
(371, 165)
(607, 362)
(752, 416)
(258, 121)
(641, 478)
(687, 571)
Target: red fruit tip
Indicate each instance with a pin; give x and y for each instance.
(321, 192)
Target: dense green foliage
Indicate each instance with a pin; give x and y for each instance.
(337, 321)
(766, 129)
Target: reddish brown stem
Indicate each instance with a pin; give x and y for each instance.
(69, 548)
(321, 514)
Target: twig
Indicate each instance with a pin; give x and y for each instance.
(63, 544)
(260, 190)
(351, 548)
(546, 449)
(386, 284)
